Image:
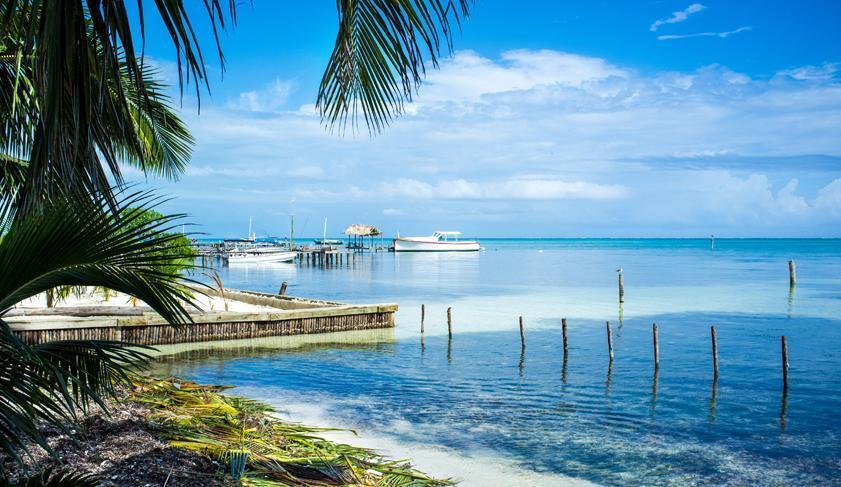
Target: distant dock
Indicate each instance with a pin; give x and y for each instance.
(272, 315)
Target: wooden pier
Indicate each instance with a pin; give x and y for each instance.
(287, 316)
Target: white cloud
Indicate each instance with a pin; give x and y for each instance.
(722, 35)
(678, 16)
(514, 188)
(829, 199)
(825, 72)
(469, 76)
(313, 172)
(270, 98)
(559, 140)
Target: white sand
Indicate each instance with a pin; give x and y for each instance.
(97, 298)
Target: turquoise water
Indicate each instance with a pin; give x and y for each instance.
(480, 408)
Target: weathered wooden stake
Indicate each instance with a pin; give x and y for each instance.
(656, 348)
(715, 351)
(423, 315)
(609, 341)
(621, 286)
(450, 322)
(564, 331)
(792, 274)
(283, 288)
(522, 334)
(785, 363)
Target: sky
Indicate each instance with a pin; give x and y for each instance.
(549, 119)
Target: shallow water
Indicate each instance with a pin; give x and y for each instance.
(481, 399)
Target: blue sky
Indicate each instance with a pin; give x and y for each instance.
(654, 118)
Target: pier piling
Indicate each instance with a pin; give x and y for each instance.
(522, 334)
(792, 274)
(609, 341)
(450, 322)
(785, 362)
(621, 286)
(656, 347)
(714, 339)
(283, 287)
(564, 331)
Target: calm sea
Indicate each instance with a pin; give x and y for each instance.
(480, 409)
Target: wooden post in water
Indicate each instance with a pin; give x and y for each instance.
(522, 334)
(715, 352)
(609, 341)
(283, 288)
(792, 274)
(621, 286)
(450, 322)
(564, 331)
(656, 347)
(423, 315)
(785, 362)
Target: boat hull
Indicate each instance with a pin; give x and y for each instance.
(261, 257)
(405, 245)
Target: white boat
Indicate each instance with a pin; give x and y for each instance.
(437, 242)
(258, 255)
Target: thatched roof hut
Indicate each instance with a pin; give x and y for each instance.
(360, 230)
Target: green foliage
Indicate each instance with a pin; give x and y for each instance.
(71, 129)
(78, 241)
(378, 58)
(178, 251)
(200, 418)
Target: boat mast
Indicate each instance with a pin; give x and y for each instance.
(292, 231)
(249, 229)
(324, 236)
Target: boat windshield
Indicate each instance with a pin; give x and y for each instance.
(446, 236)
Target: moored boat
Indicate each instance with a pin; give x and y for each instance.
(437, 242)
(258, 255)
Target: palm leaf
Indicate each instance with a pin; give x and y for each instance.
(378, 58)
(83, 80)
(77, 241)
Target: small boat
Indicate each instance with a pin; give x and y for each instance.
(329, 241)
(437, 242)
(260, 254)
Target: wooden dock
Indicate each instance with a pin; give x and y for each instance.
(288, 316)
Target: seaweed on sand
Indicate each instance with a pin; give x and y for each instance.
(201, 418)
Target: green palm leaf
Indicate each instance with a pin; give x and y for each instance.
(76, 241)
(378, 58)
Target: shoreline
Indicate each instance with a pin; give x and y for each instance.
(164, 430)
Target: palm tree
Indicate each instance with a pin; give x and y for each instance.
(76, 100)
(77, 241)
(82, 90)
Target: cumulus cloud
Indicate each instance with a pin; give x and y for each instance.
(722, 35)
(516, 188)
(469, 76)
(678, 16)
(561, 140)
(270, 98)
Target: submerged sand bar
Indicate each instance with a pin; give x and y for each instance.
(250, 315)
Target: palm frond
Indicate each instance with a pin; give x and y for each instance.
(378, 58)
(71, 74)
(78, 241)
(50, 382)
